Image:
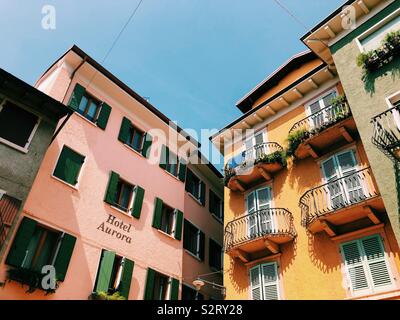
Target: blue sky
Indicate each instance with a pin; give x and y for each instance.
(193, 58)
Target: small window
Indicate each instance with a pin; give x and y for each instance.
(124, 196)
(172, 165)
(12, 117)
(161, 287)
(135, 138)
(195, 187)
(193, 240)
(68, 166)
(264, 282)
(215, 258)
(89, 107)
(216, 206)
(189, 293)
(167, 219)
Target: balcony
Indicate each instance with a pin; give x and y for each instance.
(256, 165)
(342, 205)
(259, 234)
(316, 134)
(386, 135)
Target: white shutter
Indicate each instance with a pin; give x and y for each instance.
(264, 202)
(348, 166)
(376, 261)
(270, 281)
(352, 256)
(255, 283)
(335, 188)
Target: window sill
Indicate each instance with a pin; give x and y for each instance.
(193, 255)
(66, 183)
(166, 234)
(217, 218)
(377, 296)
(133, 150)
(171, 175)
(87, 120)
(121, 211)
(194, 198)
(14, 146)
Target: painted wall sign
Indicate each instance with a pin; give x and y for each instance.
(116, 228)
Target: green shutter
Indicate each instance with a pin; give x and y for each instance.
(124, 130)
(203, 193)
(211, 202)
(126, 278)
(189, 182)
(103, 116)
(174, 289)
(68, 166)
(202, 245)
(111, 193)
(157, 216)
(105, 271)
(21, 241)
(149, 290)
(164, 157)
(182, 170)
(178, 225)
(186, 238)
(138, 202)
(148, 139)
(76, 96)
(64, 256)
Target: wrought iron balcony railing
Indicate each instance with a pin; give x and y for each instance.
(337, 194)
(249, 156)
(263, 223)
(322, 119)
(386, 135)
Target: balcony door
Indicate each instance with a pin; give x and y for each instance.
(260, 220)
(344, 185)
(319, 111)
(254, 146)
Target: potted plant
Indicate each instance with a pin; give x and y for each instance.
(105, 296)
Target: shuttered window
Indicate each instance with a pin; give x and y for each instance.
(216, 205)
(264, 282)
(160, 286)
(35, 246)
(69, 166)
(189, 293)
(195, 187)
(366, 265)
(135, 138)
(215, 255)
(193, 240)
(171, 163)
(167, 219)
(114, 274)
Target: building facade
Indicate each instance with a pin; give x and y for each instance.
(28, 120)
(109, 205)
(304, 216)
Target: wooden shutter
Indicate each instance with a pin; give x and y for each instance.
(352, 256)
(112, 186)
(211, 202)
(149, 290)
(202, 247)
(138, 202)
(376, 261)
(189, 180)
(269, 278)
(105, 271)
(202, 193)
(178, 224)
(103, 116)
(147, 141)
(126, 278)
(69, 165)
(64, 255)
(186, 235)
(21, 241)
(157, 216)
(174, 293)
(76, 96)
(255, 283)
(164, 157)
(124, 130)
(182, 170)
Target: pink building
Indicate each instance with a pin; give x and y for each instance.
(105, 209)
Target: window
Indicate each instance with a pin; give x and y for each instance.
(114, 274)
(216, 206)
(264, 282)
(35, 246)
(366, 265)
(167, 219)
(189, 293)
(193, 240)
(135, 138)
(171, 163)
(254, 146)
(89, 107)
(124, 196)
(12, 117)
(215, 255)
(260, 219)
(320, 111)
(160, 286)
(68, 166)
(195, 187)
(349, 190)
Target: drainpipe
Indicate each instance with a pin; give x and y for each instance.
(65, 95)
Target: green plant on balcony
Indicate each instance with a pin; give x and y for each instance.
(106, 296)
(294, 139)
(32, 279)
(275, 157)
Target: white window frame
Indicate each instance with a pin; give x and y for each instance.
(278, 278)
(391, 101)
(198, 197)
(252, 140)
(375, 28)
(197, 256)
(320, 99)
(24, 149)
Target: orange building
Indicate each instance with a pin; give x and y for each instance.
(304, 218)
